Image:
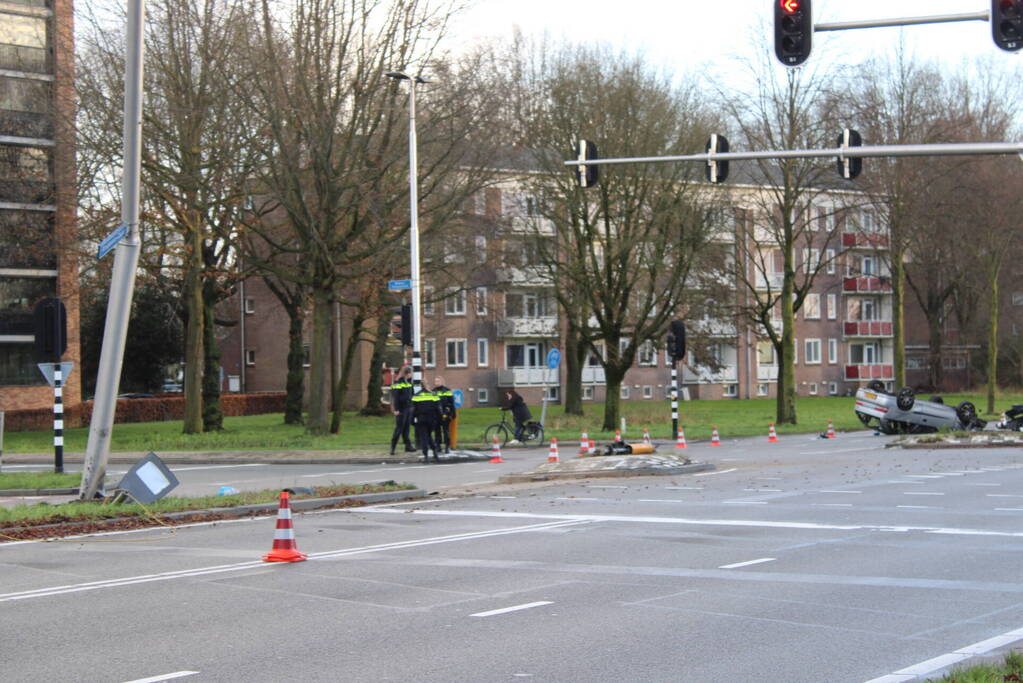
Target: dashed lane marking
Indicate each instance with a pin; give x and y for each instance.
(710, 474)
(514, 608)
(748, 563)
(165, 677)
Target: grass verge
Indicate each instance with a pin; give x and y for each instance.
(1011, 669)
(39, 480)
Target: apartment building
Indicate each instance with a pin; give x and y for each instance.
(37, 192)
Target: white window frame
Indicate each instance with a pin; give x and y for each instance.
(482, 352)
(813, 388)
(829, 254)
(648, 391)
(731, 390)
(811, 260)
(250, 357)
(553, 393)
(456, 343)
(454, 303)
(482, 396)
(427, 300)
(812, 351)
(812, 312)
(307, 352)
(623, 392)
(250, 305)
(646, 355)
(481, 301)
(481, 248)
(832, 351)
(429, 352)
(832, 388)
(587, 393)
(762, 390)
(832, 306)
(795, 351)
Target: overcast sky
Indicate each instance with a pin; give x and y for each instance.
(690, 34)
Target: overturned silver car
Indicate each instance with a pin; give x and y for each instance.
(904, 413)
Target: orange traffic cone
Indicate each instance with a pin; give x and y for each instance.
(497, 452)
(591, 447)
(284, 548)
(646, 436)
(584, 443)
(618, 436)
(831, 431)
(680, 442)
(552, 455)
(715, 439)
(772, 436)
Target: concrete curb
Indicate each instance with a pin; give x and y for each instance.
(39, 492)
(232, 458)
(243, 510)
(526, 477)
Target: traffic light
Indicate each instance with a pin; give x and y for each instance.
(404, 331)
(677, 340)
(717, 171)
(49, 325)
(793, 31)
(850, 168)
(587, 175)
(1007, 24)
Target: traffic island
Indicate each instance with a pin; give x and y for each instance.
(609, 466)
(985, 439)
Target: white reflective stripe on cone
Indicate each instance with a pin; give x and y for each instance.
(284, 534)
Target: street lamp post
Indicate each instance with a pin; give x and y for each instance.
(413, 192)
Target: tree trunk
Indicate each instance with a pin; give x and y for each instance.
(786, 408)
(934, 343)
(992, 340)
(374, 387)
(899, 317)
(212, 415)
(319, 374)
(575, 356)
(194, 356)
(612, 403)
(346, 369)
(296, 366)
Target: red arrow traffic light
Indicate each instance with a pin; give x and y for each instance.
(790, 6)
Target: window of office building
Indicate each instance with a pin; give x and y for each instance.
(27, 239)
(23, 44)
(18, 366)
(18, 296)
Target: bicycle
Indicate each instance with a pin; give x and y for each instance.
(504, 430)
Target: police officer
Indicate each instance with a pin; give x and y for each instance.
(447, 413)
(426, 415)
(401, 404)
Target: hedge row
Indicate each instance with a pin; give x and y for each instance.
(160, 407)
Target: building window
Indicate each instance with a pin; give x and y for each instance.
(623, 392)
(761, 390)
(594, 358)
(868, 266)
(825, 219)
(456, 353)
(427, 300)
(829, 254)
(812, 307)
(865, 354)
(811, 260)
(647, 354)
(833, 388)
(250, 305)
(587, 393)
(765, 354)
(1017, 298)
(529, 355)
(525, 305)
(813, 388)
(813, 351)
(481, 301)
(795, 350)
(832, 351)
(553, 394)
(832, 306)
(482, 396)
(454, 303)
(482, 353)
(306, 355)
(916, 363)
(18, 296)
(731, 390)
(430, 353)
(481, 248)
(250, 356)
(18, 365)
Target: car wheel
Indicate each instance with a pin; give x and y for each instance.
(937, 399)
(905, 399)
(864, 418)
(967, 413)
(876, 386)
(889, 427)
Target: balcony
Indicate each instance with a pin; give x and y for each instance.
(856, 240)
(530, 225)
(545, 328)
(767, 373)
(774, 280)
(524, 276)
(867, 328)
(706, 327)
(704, 375)
(519, 377)
(865, 372)
(594, 375)
(864, 285)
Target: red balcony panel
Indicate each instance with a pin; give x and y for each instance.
(854, 239)
(851, 329)
(865, 284)
(861, 372)
(852, 371)
(848, 239)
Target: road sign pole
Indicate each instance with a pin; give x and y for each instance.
(58, 418)
(674, 398)
(126, 258)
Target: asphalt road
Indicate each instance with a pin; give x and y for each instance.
(808, 560)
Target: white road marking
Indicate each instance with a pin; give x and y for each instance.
(214, 467)
(708, 474)
(896, 481)
(578, 498)
(1002, 495)
(917, 507)
(769, 478)
(1008, 509)
(838, 450)
(516, 608)
(683, 488)
(747, 563)
(764, 490)
(979, 484)
(945, 660)
(329, 554)
(660, 500)
(595, 486)
(165, 677)
(923, 476)
(744, 502)
(837, 491)
(504, 497)
(922, 493)
(834, 505)
(330, 474)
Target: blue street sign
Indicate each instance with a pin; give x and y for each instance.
(553, 359)
(458, 397)
(399, 285)
(111, 240)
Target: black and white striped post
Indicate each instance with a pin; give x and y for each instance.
(417, 372)
(58, 419)
(674, 398)
(677, 351)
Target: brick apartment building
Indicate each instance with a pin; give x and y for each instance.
(495, 334)
(37, 192)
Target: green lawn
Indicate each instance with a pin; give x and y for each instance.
(39, 480)
(267, 432)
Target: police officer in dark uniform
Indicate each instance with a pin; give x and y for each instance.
(426, 416)
(447, 413)
(401, 404)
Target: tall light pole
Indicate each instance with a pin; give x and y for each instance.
(413, 193)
